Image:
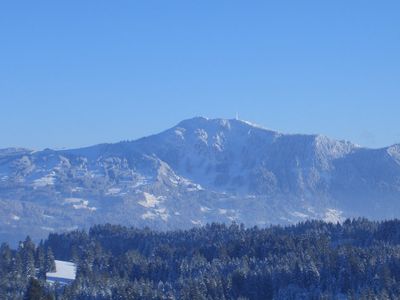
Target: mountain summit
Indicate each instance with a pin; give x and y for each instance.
(200, 171)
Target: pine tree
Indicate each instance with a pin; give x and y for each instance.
(50, 265)
(34, 290)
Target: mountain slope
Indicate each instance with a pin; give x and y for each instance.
(200, 171)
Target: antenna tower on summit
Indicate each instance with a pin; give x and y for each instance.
(237, 116)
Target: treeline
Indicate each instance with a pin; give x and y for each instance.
(23, 271)
(358, 259)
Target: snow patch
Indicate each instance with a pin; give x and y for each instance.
(79, 203)
(44, 181)
(253, 124)
(148, 215)
(204, 209)
(222, 211)
(113, 191)
(47, 228)
(48, 216)
(196, 222)
(333, 216)
(225, 123)
(299, 215)
(15, 217)
(179, 132)
(219, 142)
(150, 201)
(202, 135)
(65, 271)
(84, 206)
(162, 213)
(394, 151)
(140, 182)
(72, 200)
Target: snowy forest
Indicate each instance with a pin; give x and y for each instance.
(358, 259)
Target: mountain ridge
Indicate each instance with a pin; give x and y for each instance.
(254, 125)
(199, 171)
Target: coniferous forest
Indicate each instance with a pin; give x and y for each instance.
(358, 259)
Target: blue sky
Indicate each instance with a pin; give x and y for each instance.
(75, 73)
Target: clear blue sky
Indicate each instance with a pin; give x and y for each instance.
(76, 73)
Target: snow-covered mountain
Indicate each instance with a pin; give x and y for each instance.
(200, 171)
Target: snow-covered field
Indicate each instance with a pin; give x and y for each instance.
(65, 272)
